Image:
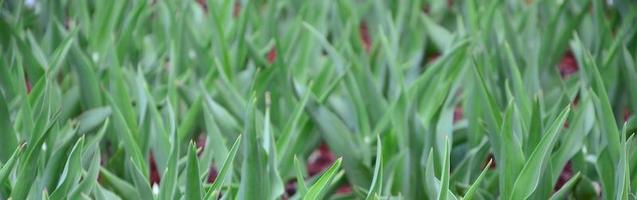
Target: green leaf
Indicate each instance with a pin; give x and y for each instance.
(7, 167)
(193, 182)
(28, 168)
(140, 181)
(444, 185)
(168, 185)
(471, 192)
(8, 140)
(91, 119)
(513, 157)
(530, 175)
(523, 100)
(630, 73)
(89, 179)
(61, 51)
(318, 189)
(564, 191)
(224, 173)
(87, 79)
(340, 140)
(377, 181)
(574, 138)
(291, 132)
(126, 135)
(301, 187)
(606, 170)
(605, 116)
(194, 113)
(253, 173)
(431, 182)
(120, 186)
(623, 168)
(331, 51)
(534, 128)
(122, 102)
(439, 35)
(71, 173)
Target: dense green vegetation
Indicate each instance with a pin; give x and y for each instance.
(325, 99)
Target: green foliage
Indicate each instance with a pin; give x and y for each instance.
(234, 99)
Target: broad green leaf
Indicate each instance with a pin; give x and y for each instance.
(193, 114)
(87, 77)
(28, 168)
(104, 194)
(432, 184)
(92, 118)
(7, 167)
(89, 178)
(253, 173)
(274, 180)
(630, 73)
(535, 128)
(513, 157)
(530, 175)
(126, 135)
(623, 168)
(290, 134)
(605, 115)
(317, 190)
(168, 186)
(340, 140)
(71, 173)
(523, 99)
(121, 187)
(574, 137)
(193, 182)
(224, 173)
(60, 53)
(122, 101)
(439, 35)
(564, 191)
(140, 181)
(8, 140)
(606, 169)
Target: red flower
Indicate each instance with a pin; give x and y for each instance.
(290, 188)
(320, 159)
(272, 55)
(458, 114)
(568, 64)
(28, 86)
(432, 57)
(344, 189)
(154, 174)
(363, 32)
(203, 4)
(212, 174)
(27, 83)
(566, 174)
(236, 9)
(200, 143)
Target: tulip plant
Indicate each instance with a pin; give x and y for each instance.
(318, 99)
